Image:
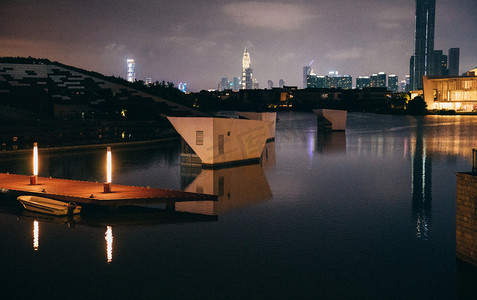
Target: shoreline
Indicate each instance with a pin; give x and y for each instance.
(118, 145)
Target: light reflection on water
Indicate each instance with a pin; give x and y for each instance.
(365, 213)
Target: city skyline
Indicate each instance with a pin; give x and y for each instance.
(199, 43)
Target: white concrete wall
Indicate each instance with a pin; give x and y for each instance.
(243, 139)
(336, 117)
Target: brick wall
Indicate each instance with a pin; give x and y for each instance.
(466, 218)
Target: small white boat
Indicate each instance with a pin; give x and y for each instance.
(49, 206)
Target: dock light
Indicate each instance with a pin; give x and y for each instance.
(109, 243)
(34, 177)
(36, 235)
(109, 167)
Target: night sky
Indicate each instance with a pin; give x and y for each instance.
(199, 42)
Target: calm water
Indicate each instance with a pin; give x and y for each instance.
(366, 214)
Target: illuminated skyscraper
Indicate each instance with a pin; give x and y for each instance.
(421, 61)
(131, 72)
(247, 76)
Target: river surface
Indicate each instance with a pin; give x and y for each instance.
(364, 214)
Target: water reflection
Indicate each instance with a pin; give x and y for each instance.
(235, 187)
(36, 235)
(109, 243)
(421, 184)
(330, 142)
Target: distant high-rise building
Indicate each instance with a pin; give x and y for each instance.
(281, 83)
(236, 84)
(148, 81)
(373, 80)
(316, 81)
(247, 76)
(402, 86)
(421, 63)
(381, 80)
(408, 83)
(224, 84)
(131, 77)
(255, 84)
(270, 84)
(438, 63)
(454, 61)
(306, 72)
(363, 82)
(393, 83)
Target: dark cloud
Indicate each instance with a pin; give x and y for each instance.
(199, 42)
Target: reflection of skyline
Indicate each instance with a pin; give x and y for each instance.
(421, 178)
(235, 187)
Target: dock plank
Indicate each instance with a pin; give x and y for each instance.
(93, 192)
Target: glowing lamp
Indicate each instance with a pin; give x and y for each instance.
(109, 167)
(34, 177)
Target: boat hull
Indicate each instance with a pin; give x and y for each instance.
(48, 206)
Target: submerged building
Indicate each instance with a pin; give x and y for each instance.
(457, 93)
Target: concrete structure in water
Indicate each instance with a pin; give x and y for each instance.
(219, 141)
(331, 117)
(466, 218)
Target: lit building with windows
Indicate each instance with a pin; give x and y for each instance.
(393, 83)
(457, 93)
(131, 77)
(363, 82)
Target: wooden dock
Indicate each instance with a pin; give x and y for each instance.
(84, 192)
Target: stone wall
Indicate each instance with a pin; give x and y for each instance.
(466, 218)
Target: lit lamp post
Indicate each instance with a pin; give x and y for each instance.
(34, 177)
(107, 184)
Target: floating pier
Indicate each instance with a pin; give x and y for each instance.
(84, 192)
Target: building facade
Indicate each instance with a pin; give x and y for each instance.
(457, 93)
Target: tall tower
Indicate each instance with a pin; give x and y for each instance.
(421, 62)
(131, 72)
(247, 76)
